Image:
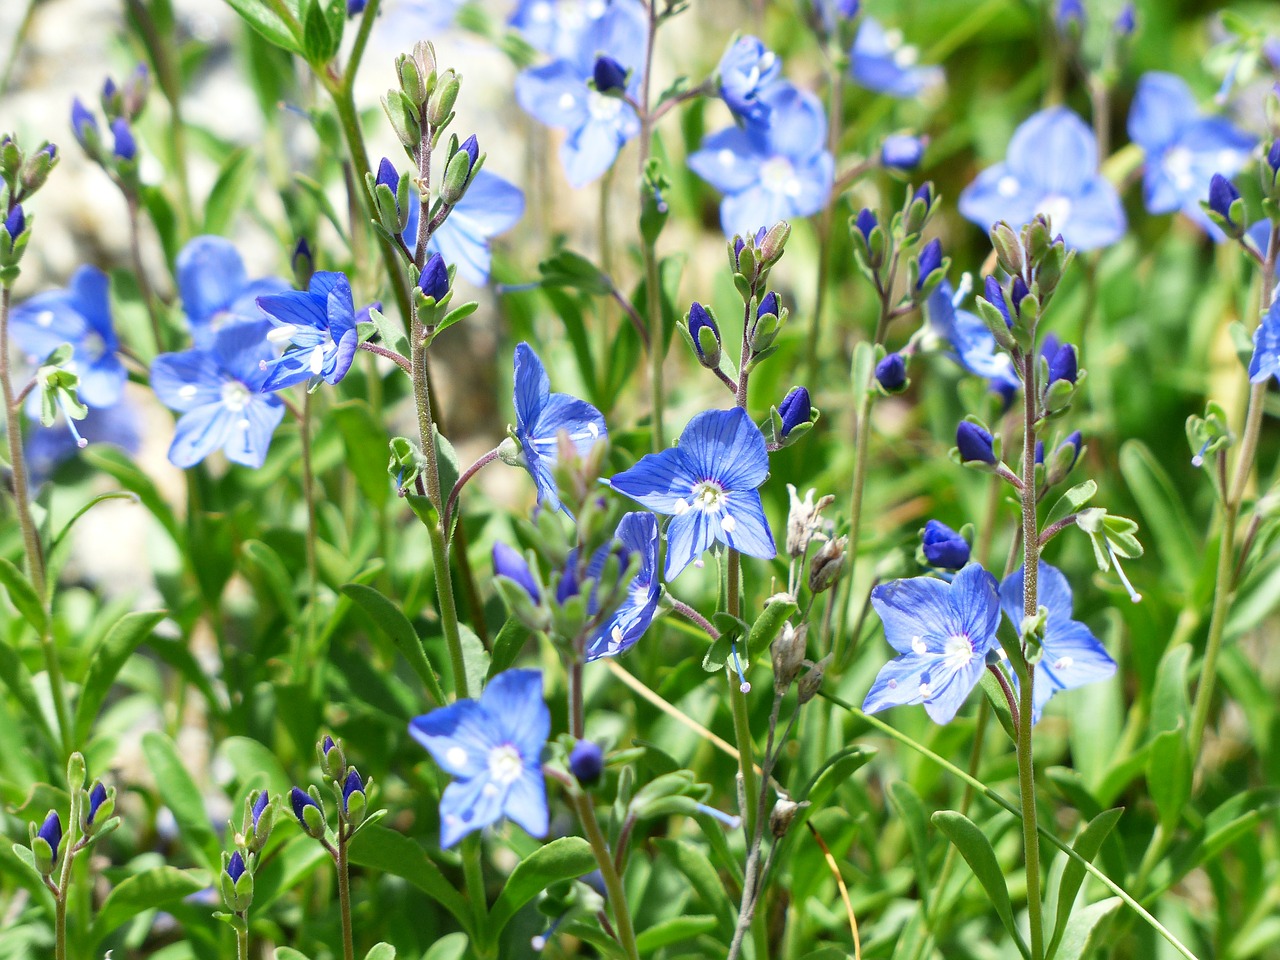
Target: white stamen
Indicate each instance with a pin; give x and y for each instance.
(317, 359)
(925, 690)
(187, 391)
(283, 333)
(1063, 663)
(456, 756)
(917, 646)
(680, 508)
(728, 524)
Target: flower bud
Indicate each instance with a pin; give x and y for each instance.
(901, 152)
(445, 95)
(794, 409)
(919, 210)
(975, 443)
(891, 373)
(125, 147)
(827, 564)
(1063, 364)
(135, 90)
(1070, 19)
(85, 127)
(510, 563)
(811, 682)
(586, 761)
(943, 547)
(303, 264)
(97, 807)
(803, 520)
(609, 75)
(356, 7)
(783, 814)
(705, 333)
(457, 174)
(1223, 197)
(775, 240)
(332, 760)
(434, 279)
(353, 797)
(16, 223)
(1125, 21)
(788, 652)
(1063, 459)
(236, 884)
(308, 813)
(930, 260)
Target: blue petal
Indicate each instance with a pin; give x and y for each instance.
(997, 194)
(583, 422)
(1096, 218)
(751, 534)
(688, 537)
(742, 213)
(46, 321)
(554, 94)
(949, 691)
(458, 736)
(200, 432)
(526, 803)
(253, 430)
(513, 701)
(1053, 151)
(241, 348)
(1266, 344)
(897, 684)
(620, 32)
(467, 806)
(300, 308)
(639, 534)
(728, 160)
(797, 122)
(657, 481)
(292, 368)
(532, 386)
(490, 206)
(590, 151)
(1072, 658)
(187, 380)
(342, 356)
(91, 290)
(917, 607)
(1162, 104)
(210, 275)
(976, 602)
(725, 445)
(102, 383)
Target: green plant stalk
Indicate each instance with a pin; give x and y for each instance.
(473, 879)
(612, 880)
(64, 876)
(313, 579)
(140, 273)
(242, 939)
(344, 893)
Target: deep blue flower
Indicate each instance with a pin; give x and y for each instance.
(891, 372)
(1051, 168)
(434, 281)
(745, 71)
(47, 447)
(555, 26)
(638, 533)
(218, 391)
(51, 833)
(97, 796)
(81, 316)
(1063, 364)
(972, 345)
(259, 806)
(1184, 147)
(125, 147)
(510, 563)
(541, 415)
(493, 749)
(975, 443)
(388, 176)
(353, 784)
(609, 75)
(586, 761)
(16, 222)
(901, 151)
(557, 93)
(794, 409)
(774, 172)
(320, 326)
(82, 122)
(235, 867)
(1266, 347)
(471, 147)
(880, 61)
(490, 206)
(1071, 655)
(866, 221)
(216, 290)
(708, 484)
(943, 632)
(1222, 194)
(943, 547)
(929, 261)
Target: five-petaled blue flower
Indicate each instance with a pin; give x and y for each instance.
(555, 26)
(216, 290)
(541, 415)
(1184, 148)
(708, 484)
(746, 70)
(972, 345)
(557, 93)
(1051, 168)
(490, 206)
(1071, 655)
(880, 61)
(218, 391)
(943, 632)
(1266, 347)
(493, 747)
(81, 316)
(320, 325)
(639, 535)
(774, 171)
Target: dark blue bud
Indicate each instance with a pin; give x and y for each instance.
(1070, 12)
(353, 784)
(1017, 293)
(994, 295)
(609, 75)
(847, 9)
(891, 372)
(586, 760)
(901, 152)
(509, 563)
(388, 176)
(126, 148)
(109, 89)
(16, 222)
(595, 880)
(434, 280)
(1273, 156)
(925, 194)
(1074, 441)
(1126, 21)
(930, 260)
(82, 120)
(471, 147)
(768, 305)
(235, 867)
(866, 222)
(299, 799)
(1063, 364)
(794, 409)
(976, 444)
(326, 745)
(1222, 194)
(97, 795)
(568, 585)
(259, 806)
(943, 547)
(699, 318)
(356, 7)
(51, 833)
(1040, 452)
(50, 150)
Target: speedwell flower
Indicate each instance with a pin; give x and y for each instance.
(320, 325)
(972, 345)
(215, 289)
(1266, 347)
(639, 534)
(746, 70)
(880, 61)
(493, 749)
(555, 26)
(490, 206)
(708, 484)
(943, 632)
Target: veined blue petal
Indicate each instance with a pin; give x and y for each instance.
(554, 94)
(251, 435)
(1162, 105)
(1054, 151)
(469, 805)
(200, 432)
(688, 537)
(750, 533)
(513, 699)
(658, 481)
(913, 608)
(458, 736)
(729, 160)
(210, 275)
(526, 803)
(532, 386)
(725, 445)
(187, 380)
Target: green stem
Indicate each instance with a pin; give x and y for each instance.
(242, 939)
(313, 579)
(473, 878)
(71, 847)
(344, 895)
(612, 880)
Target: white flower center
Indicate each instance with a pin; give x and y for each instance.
(601, 107)
(44, 318)
(235, 395)
(957, 653)
(1057, 208)
(1178, 165)
(456, 756)
(777, 175)
(1008, 186)
(708, 496)
(93, 346)
(505, 764)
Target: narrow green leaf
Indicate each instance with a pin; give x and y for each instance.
(452, 946)
(702, 876)
(16, 676)
(183, 798)
(1087, 844)
(317, 39)
(144, 891)
(562, 859)
(106, 661)
(976, 850)
(1169, 770)
(907, 803)
(392, 621)
(1083, 929)
(391, 852)
(674, 930)
(23, 596)
(507, 646)
(266, 23)
(280, 582)
(230, 190)
(475, 659)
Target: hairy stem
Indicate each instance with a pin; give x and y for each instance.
(344, 894)
(612, 879)
(313, 577)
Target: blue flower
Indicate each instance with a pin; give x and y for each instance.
(794, 409)
(831, 13)
(81, 316)
(510, 563)
(747, 69)
(493, 749)
(586, 761)
(216, 290)
(1266, 347)
(320, 326)
(972, 345)
(943, 632)
(541, 415)
(943, 547)
(47, 447)
(639, 534)
(490, 206)
(235, 867)
(218, 391)
(1184, 148)
(557, 93)
(880, 61)
(555, 26)
(1071, 655)
(708, 484)
(771, 172)
(976, 444)
(901, 151)
(1051, 168)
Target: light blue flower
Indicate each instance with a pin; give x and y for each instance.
(746, 70)
(81, 316)
(557, 93)
(218, 391)
(943, 632)
(215, 289)
(555, 26)
(880, 61)
(638, 533)
(777, 171)
(541, 415)
(972, 345)
(493, 749)
(1184, 148)
(1051, 168)
(490, 206)
(708, 484)
(320, 326)
(1071, 655)
(1266, 347)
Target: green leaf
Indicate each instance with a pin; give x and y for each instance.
(116, 462)
(16, 676)
(452, 946)
(1071, 501)
(1082, 929)
(288, 953)
(318, 42)
(907, 803)
(475, 659)
(391, 852)
(23, 596)
(381, 951)
(230, 190)
(255, 765)
(183, 798)
(507, 646)
(693, 863)
(392, 621)
(564, 268)
(1087, 845)
(106, 661)
(834, 772)
(1169, 770)
(674, 930)
(976, 850)
(767, 626)
(280, 582)
(266, 23)
(1170, 706)
(562, 859)
(366, 442)
(289, 864)
(144, 891)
